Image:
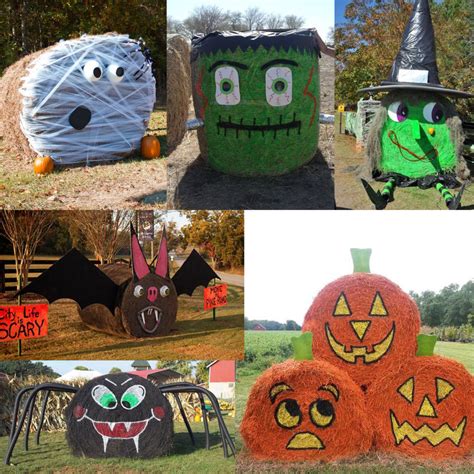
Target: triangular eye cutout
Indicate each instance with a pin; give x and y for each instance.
(161, 268)
(342, 306)
(443, 389)
(139, 263)
(406, 389)
(378, 306)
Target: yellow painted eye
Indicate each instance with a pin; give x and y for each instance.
(322, 412)
(288, 413)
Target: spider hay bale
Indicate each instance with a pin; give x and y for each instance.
(257, 93)
(178, 89)
(119, 415)
(424, 410)
(363, 323)
(305, 410)
(78, 101)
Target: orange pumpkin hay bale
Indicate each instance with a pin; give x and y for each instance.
(305, 411)
(363, 323)
(424, 410)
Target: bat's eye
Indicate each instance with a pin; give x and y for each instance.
(104, 397)
(322, 412)
(164, 291)
(138, 291)
(92, 70)
(133, 397)
(115, 73)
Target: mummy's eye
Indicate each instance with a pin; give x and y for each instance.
(92, 70)
(115, 73)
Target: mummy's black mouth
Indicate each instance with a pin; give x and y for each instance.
(80, 117)
(240, 126)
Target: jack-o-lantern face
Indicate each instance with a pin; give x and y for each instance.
(425, 409)
(363, 323)
(305, 410)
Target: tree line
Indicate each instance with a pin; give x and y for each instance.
(249, 324)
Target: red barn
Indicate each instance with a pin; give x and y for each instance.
(222, 378)
(259, 327)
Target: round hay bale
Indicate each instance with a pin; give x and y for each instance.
(424, 409)
(79, 101)
(119, 415)
(178, 89)
(364, 324)
(305, 411)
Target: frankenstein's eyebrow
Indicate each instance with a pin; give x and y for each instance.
(289, 62)
(230, 63)
(110, 381)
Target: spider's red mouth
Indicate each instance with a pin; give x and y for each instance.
(126, 429)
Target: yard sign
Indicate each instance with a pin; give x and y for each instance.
(23, 322)
(215, 296)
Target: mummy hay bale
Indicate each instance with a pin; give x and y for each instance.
(80, 101)
(363, 323)
(424, 410)
(257, 93)
(305, 411)
(119, 415)
(178, 89)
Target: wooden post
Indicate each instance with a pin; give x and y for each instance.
(214, 309)
(19, 304)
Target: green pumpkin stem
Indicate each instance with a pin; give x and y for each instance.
(303, 346)
(361, 260)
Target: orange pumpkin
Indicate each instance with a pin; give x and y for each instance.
(150, 147)
(363, 323)
(305, 410)
(424, 410)
(43, 165)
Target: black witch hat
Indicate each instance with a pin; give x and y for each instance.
(415, 65)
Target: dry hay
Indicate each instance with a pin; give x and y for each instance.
(178, 89)
(426, 407)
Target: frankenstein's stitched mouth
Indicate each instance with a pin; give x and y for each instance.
(258, 128)
(149, 318)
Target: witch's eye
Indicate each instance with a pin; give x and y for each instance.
(115, 73)
(398, 111)
(92, 70)
(164, 291)
(278, 86)
(133, 397)
(227, 86)
(433, 112)
(322, 412)
(104, 397)
(288, 413)
(138, 291)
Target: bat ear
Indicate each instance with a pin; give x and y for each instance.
(161, 268)
(139, 264)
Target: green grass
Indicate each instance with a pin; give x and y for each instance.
(54, 451)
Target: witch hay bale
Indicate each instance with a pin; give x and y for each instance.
(178, 89)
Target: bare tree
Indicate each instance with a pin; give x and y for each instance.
(275, 21)
(235, 21)
(25, 230)
(293, 21)
(206, 19)
(254, 18)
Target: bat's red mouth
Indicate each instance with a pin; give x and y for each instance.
(150, 318)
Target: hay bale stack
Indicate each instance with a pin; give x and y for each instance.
(178, 89)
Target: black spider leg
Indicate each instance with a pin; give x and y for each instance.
(52, 387)
(16, 408)
(29, 419)
(204, 418)
(43, 411)
(185, 418)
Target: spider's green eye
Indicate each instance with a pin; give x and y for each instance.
(104, 397)
(133, 397)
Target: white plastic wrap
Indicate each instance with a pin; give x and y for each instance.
(88, 99)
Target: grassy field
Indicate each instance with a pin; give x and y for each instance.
(184, 458)
(195, 335)
(274, 344)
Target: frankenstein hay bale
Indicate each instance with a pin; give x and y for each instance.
(424, 410)
(78, 101)
(119, 415)
(305, 410)
(178, 89)
(364, 324)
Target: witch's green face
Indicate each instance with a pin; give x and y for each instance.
(260, 109)
(416, 140)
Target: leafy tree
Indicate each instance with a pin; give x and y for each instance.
(115, 370)
(184, 367)
(202, 373)
(81, 367)
(24, 368)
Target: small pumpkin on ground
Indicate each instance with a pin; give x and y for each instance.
(43, 165)
(150, 147)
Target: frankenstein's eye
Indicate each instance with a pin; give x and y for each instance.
(104, 397)
(433, 112)
(227, 85)
(164, 291)
(92, 70)
(133, 396)
(398, 111)
(138, 291)
(278, 86)
(115, 73)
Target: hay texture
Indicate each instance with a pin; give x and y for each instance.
(119, 415)
(305, 410)
(80, 101)
(364, 324)
(424, 410)
(178, 89)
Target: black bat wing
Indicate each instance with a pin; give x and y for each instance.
(74, 277)
(193, 272)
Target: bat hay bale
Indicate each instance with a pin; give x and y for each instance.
(363, 323)
(119, 415)
(305, 411)
(82, 100)
(424, 409)
(178, 89)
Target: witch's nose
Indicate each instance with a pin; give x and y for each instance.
(415, 127)
(80, 117)
(152, 294)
